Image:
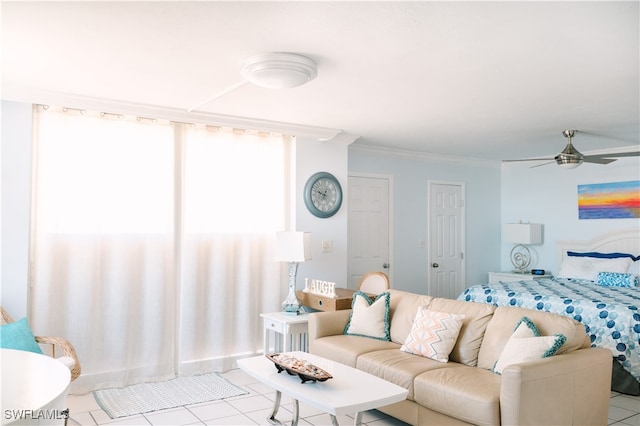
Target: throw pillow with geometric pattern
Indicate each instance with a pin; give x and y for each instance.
(433, 334)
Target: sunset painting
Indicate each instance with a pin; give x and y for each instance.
(616, 200)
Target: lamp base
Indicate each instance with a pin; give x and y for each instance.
(520, 258)
(291, 305)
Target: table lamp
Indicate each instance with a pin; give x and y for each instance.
(293, 247)
(522, 235)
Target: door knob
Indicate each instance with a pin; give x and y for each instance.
(385, 265)
(435, 265)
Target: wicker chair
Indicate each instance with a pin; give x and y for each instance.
(58, 344)
(373, 283)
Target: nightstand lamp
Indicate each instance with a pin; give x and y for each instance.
(522, 235)
(292, 247)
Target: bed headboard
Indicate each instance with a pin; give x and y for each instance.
(626, 241)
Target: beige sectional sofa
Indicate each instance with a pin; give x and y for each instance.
(570, 388)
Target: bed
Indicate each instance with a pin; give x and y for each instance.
(610, 313)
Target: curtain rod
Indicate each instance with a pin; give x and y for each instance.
(169, 114)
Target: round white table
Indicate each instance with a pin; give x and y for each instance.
(34, 389)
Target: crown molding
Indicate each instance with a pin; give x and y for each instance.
(69, 100)
(384, 151)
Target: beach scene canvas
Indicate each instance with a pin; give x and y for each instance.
(615, 200)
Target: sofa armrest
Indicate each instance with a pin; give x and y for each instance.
(327, 323)
(572, 388)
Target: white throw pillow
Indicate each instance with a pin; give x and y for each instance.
(526, 344)
(433, 334)
(587, 268)
(369, 318)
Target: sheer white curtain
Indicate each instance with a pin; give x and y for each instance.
(140, 251)
(234, 200)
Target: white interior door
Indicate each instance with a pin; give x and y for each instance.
(368, 226)
(446, 239)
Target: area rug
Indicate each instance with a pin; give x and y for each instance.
(178, 392)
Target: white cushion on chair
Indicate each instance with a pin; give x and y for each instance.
(68, 361)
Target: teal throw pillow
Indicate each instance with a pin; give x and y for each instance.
(18, 335)
(615, 279)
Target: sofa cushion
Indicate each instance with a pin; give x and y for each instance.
(467, 393)
(476, 319)
(504, 321)
(369, 318)
(398, 367)
(433, 334)
(404, 306)
(346, 349)
(526, 344)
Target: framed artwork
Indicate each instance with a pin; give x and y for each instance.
(615, 200)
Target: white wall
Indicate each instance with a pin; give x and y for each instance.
(548, 195)
(16, 190)
(312, 157)
(410, 177)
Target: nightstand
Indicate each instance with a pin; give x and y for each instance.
(495, 277)
(289, 331)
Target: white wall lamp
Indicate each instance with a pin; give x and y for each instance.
(522, 235)
(293, 247)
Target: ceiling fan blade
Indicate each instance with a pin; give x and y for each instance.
(543, 164)
(615, 155)
(528, 159)
(598, 160)
(608, 158)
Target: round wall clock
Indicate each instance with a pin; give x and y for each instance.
(323, 195)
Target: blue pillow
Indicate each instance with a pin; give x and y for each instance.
(615, 279)
(18, 335)
(602, 255)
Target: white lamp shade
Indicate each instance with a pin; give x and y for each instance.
(293, 246)
(522, 233)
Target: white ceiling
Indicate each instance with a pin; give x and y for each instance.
(491, 80)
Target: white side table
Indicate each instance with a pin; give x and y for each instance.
(290, 332)
(34, 389)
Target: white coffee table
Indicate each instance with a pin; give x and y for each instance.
(349, 391)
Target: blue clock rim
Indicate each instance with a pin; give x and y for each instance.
(307, 195)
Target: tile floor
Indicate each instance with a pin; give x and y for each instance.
(253, 408)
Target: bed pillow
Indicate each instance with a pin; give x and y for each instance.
(599, 255)
(18, 335)
(614, 279)
(526, 344)
(587, 268)
(369, 318)
(433, 334)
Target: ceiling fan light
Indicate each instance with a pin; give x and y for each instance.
(568, 162)
(279, 70)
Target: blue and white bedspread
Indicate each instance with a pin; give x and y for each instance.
(611, 315)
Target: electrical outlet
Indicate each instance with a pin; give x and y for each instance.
(327, 246)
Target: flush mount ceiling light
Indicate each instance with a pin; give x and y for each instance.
(279, 70)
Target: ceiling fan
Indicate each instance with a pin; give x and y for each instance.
(570, 157)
